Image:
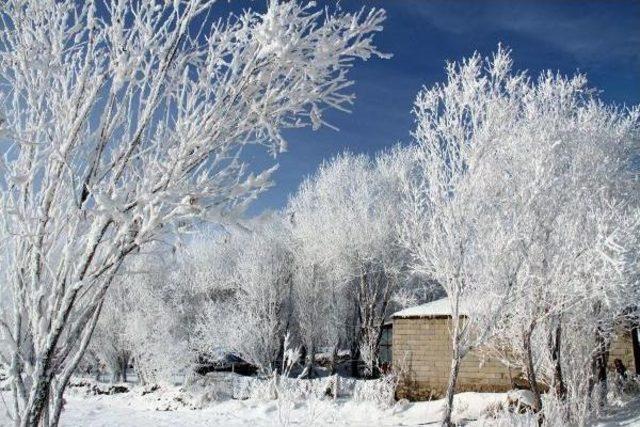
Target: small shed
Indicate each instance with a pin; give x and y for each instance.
(421, 352)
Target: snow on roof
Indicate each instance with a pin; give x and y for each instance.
(435, 308)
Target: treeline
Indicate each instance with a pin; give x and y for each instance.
(518, 201)
(328, 270)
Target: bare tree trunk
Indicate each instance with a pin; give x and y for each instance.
(61, 384)
(124, 364)
(281, 351)
(555, 347)
(451, 385)
(123, 371)
(456, 356)
(599, 368)
(308, 370)
(355, 358)
(355, 343)
(311, 359)
(531, 371)
(334, 362)
(636, 349)
(44, 422)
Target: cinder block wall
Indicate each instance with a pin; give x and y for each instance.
(422, 353)
(622, 348)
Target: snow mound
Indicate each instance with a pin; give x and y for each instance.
(520, 400)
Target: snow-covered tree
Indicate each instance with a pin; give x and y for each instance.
(143, 321)
(125, 120)
(110, 343)
(572, 183)
(157, 322)
(456, 124)
(345, 218)
(252, 317)
(515, 177)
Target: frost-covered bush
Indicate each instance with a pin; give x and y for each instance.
(214, 386)
(380, 391)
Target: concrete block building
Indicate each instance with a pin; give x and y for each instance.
(421, 350)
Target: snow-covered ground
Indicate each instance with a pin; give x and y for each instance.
(133, 409)
(627, 415)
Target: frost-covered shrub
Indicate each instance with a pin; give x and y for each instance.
(505, 418)
(214, 386)
(381, 391)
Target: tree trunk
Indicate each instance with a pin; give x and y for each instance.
(636, 349)
(451, 385)
(44, 422)
(599, 368)
(63, 381)
(555, 347)
(531, 371)
(281, 351)
(355, 358)
(355, 347)
(124, 363)
(311, 359)
(39, 396)
(308, 372)
(334, 362)
(456, 355)
(123, 370)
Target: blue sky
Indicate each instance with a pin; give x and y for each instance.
(599, 38)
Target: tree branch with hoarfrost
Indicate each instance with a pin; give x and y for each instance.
(123, 121)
